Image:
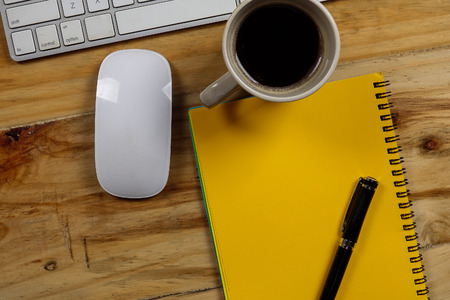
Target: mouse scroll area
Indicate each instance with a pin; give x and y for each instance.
(133, 123)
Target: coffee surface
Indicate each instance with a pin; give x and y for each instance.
(278, 45)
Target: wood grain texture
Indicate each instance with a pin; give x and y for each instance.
(63, 237)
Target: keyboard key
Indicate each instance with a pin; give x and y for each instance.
(162, 14)
(72, 7)
(47, 37)
(97, 5)
(32, 13)
(99, 27)
(23, 42)
(72, 33)
(120, 3)
(13, 1)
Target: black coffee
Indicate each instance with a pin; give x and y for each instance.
(278, 45)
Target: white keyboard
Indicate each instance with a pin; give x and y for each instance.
(38, 28)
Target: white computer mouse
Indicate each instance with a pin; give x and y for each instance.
(133, 118)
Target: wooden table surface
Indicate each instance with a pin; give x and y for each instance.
(63, 237)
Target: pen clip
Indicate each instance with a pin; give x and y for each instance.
(350, 209)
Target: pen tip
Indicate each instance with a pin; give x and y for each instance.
(370, 182)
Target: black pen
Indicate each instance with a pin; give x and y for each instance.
(351, 228)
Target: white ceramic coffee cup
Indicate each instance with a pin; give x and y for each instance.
(238, 76)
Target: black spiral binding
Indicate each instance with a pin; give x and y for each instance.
(404, 203)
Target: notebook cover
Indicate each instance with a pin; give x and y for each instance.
(277, 179)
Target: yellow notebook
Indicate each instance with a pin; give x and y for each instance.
(277, 179)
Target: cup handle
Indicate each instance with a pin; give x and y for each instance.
(218, 90)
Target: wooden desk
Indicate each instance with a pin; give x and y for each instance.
(63, 237)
